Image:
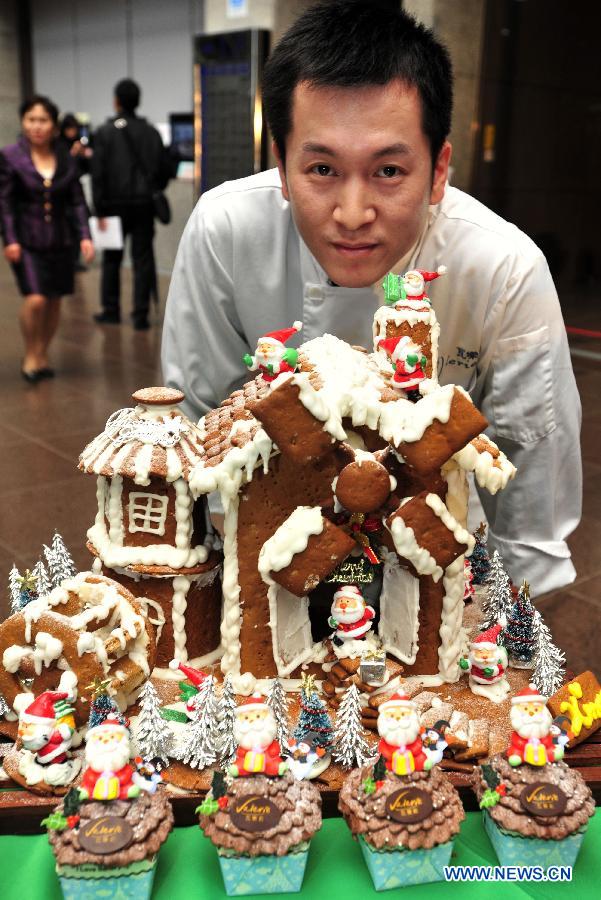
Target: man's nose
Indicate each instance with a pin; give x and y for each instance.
(353, 206)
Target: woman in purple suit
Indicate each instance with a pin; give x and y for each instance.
(41, 201)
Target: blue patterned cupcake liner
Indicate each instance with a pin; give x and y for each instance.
(87, 882)
(400, 867)
(516, 849)
(263, 874)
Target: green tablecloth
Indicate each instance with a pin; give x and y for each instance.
(188, 868)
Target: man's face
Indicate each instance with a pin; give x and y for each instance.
(359, 178)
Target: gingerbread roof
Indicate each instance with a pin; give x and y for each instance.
(153, 439)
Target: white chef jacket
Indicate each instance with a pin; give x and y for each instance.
(242, 269)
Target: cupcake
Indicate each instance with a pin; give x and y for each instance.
(404, 811)
(535, 808)
(260, 819)
(106, 833)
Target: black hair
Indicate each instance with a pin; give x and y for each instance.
(352, 43)
(128, 93)
(40, 100)
(69, 121)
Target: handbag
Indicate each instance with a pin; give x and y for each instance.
(160, 204)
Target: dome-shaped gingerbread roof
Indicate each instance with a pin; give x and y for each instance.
(152, 439)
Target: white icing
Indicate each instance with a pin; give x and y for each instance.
(13, 657)
(290, 538)
(452, 634)
(47, 649)
(55, 774)
(146, 512)
(461, 535)
(143, 463)
(173, 464)
(290, 625)
(406, 545)
(152, 555)
(399, 609)
(231, 615)
(235, 468)
(181, 586)
(489, 473)
(183, 514)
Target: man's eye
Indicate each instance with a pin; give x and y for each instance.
(388, 171)
(322, 169)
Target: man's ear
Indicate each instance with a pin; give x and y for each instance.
(281, 170)
(441, 173)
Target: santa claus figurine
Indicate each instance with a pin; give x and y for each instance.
(108, 775)
(400, 741)
(350, 617)
(414, 282)
(272, 357)
(255, 731)
(486, 664)
(531, 740)
(408, 361)
(46, 727)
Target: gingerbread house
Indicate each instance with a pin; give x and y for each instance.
(151, 533)
(301, 461)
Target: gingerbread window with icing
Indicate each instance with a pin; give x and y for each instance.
(147, 512)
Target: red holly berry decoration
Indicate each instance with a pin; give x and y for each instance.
(72, 821)
(501, 789)
(379, 785)
(222, 801)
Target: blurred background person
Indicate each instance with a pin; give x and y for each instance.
(40, 198)
(76, 141)
(129, 165)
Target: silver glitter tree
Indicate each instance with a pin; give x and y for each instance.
(199, 747)
(350, 747)
(278, 703)
(499, 598)
(227, 716)
(14, 589)
(153, 735)
(549, 660)
(43, 583)
(59, 561)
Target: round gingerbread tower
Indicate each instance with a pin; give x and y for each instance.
(150, 534)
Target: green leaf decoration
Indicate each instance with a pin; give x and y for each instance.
(489, 798)
(207, 807)
(490, 776)
(55, 822)
(174, 715)
(369, 786)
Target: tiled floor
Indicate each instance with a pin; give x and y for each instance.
(44, 428)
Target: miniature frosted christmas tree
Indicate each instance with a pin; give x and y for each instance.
(27, 588)
(102, 704)
(43, 584)
(549, 661)
(153, 735)
(59, 560)
(200, 744)
(499, 600)
(350, 747)
(480, 560)
(278, 703)
(14, 589)
(518, 637)
(227, 717)
(313, 716)
(4, 707)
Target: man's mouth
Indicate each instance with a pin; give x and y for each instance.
(354, 251)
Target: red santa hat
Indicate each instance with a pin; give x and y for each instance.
(487, 640)
(348, 590)
(255, 701)
(394, 345)
(195, 676)
(397, 700)
(281, 335)
(112, 723)
(42, 710)
(428, 276)
(528, 694)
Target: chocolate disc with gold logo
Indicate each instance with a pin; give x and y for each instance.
(543, 799)
(107, 834)
(409, 805)
(254, 813)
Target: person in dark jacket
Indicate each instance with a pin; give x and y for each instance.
(129, 164)
(40, 199)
